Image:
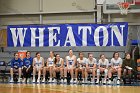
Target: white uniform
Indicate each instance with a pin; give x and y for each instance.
(103, 64)
(70, 60)
(58, 64)
(50, 61)
(117, 62)
(82, 62)
(91, 63)
(38, 63)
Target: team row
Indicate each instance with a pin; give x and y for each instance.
(55, 64)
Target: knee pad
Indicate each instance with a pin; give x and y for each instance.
(106, 71)
(98, 71)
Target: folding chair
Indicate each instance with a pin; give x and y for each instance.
(2, 70)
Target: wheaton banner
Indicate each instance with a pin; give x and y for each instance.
(114, 34)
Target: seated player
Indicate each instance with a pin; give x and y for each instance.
(15, 67)
(102, 68)
(81, 66)
(128, 66)
(59, 66)
(91, 67)
(71, 62)
(27, 67)
(50, 68)
(38, 64)
(116, 64)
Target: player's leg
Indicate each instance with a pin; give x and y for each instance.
(93, 74)
(19, 74)
(34, 73)
(11, 73)
(44, 74)
(105, 75)
(98, 75)
(65, 74)
(24, 74)
(119, 71)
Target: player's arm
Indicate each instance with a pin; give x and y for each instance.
(42, 62)
(95, 64)
(34, 62)
(67, 62)
(62, 63)
(74, 61)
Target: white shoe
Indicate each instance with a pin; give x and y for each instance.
(83, 81)
(93, 82)
(61, 81)
(11, 81)
(38, 80)
(104, 81)
(118, 82)
(86, 81)
(71, 81)
(109, 82)
(65, 80)
(50, 80)
(75, 81)
(24, 80)
(18, 80)
(28, 80)
(54, 81)
(97, 81)
(33, 80)
(43, 81)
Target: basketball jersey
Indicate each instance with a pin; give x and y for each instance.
(117, 62)
(38, 63)
(70, 60)
(91, 62)
(103, 64)
(16, 63)
(51, 61)
(27, 61)
(82, 62)
(58, 64)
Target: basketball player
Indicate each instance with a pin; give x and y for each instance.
(102, 68)
(27, 67)
(59, 66)
(15, 67)
(38, 64)
(81, 66)
(49, 67)
(71, 62)
(91, 67)
(116, 62)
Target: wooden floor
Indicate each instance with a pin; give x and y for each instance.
(52, 88)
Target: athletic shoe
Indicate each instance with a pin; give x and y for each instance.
(97, 81)
(33, 80)
(43, 81)
(38, 80)
(11, 81)
(104, 81)
(75, 81)
(109, 82)
(61, 81)
(28, 80)
(54, 81)
(93, 82)
(18, 80)
(83, 81)
(118, 82)
(65, 80)
(71, 81)
(50, 80)
(24, 80)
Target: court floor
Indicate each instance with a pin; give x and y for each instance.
(53, 88)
